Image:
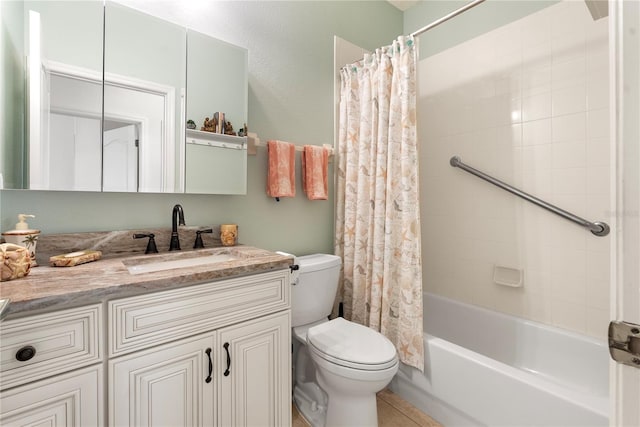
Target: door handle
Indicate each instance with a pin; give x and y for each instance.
(208, 379)
(226, 347)
(624, 342)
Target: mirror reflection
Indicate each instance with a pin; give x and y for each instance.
(217, 87)
(144, 84)
(63, 75)
(70, 125)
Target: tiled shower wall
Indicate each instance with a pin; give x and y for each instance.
(527, 103)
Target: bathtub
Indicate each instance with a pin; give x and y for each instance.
(487, 368)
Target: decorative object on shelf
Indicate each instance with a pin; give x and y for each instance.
(220, 124)
(191, 124)
(16, 262)
(243, 131)
(228, 129)
(229, 234)
(210, 125)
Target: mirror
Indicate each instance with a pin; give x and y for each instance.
(144, 85)
(137, 141)
(48, 42)
(216, 163)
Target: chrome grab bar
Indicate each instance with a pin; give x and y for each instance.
(597, 228)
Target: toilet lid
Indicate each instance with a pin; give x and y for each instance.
(350, 344)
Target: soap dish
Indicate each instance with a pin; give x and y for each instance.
(74, 258)
(507, 276)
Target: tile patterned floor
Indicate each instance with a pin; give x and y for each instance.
(393, 411)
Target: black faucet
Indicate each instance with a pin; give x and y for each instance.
(199, 244)
(175, 241)
(151, 244)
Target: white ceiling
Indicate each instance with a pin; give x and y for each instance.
(403, 4)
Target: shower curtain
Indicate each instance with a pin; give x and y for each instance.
(377, 217)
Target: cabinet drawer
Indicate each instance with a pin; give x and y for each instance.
(146, 320)
(62, 340)
(74, 399)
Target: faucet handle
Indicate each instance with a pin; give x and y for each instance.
(198, 243)
(151, 244)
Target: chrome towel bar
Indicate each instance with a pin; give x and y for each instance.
(598, 228)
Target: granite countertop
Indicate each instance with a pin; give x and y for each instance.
(60, 287)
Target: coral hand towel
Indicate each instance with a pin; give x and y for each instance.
(281, 181)
(315, 162)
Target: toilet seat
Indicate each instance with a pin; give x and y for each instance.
(351, 345)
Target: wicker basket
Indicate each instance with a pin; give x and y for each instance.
(16, 262)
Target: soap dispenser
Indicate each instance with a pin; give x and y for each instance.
(24, 236)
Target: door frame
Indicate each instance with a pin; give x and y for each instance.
(624, 24)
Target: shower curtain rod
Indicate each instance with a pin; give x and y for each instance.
(597, 228)
(447, 17)
(444, 18)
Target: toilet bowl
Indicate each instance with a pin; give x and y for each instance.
(339, 365)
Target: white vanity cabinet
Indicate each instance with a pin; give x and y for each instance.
(215, 354)
(166, 385)
(50, 370)
(254, 385)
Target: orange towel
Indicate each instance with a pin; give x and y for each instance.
(281, 181)
(315, 162)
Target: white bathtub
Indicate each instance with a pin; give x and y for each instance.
(487, 368)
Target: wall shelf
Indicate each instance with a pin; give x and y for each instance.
(212, 139)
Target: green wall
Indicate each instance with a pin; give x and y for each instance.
(290, 98)
(480, 19)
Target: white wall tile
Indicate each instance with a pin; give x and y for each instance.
(569, 315)
(597, 123)
(598, 181)
(598, 323)
(571, 181)
(528, 105)
(536, 79)
(569, 154)
(568, 46)
(536, 158)
(571, 127)
(598, 152)
(567, 100)
(538, 308)
(536, 107)
(538, 182)
(537, 132)
(536, 282)
(568, 72)
(597, 89)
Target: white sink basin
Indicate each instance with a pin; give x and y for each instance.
(179, 262)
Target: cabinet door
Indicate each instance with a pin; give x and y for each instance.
(73, 399)
(169, 385)
(254, 373)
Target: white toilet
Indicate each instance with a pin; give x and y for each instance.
(339, 365)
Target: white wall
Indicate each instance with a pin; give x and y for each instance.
(528, 104)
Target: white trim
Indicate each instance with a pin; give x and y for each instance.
(72, 71)
(181, 159)
(34, 88)
(625, 134)
(168, 143)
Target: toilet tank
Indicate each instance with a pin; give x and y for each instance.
(313, 296)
